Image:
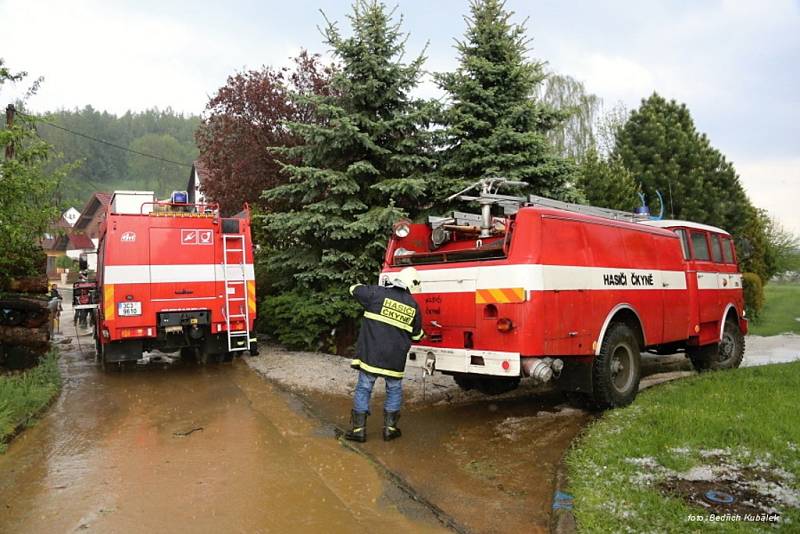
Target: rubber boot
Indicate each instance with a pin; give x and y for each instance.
(390, 430)
(359, 430)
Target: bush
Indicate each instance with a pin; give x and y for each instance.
(302, 319)
(65, 262)
(753, 294)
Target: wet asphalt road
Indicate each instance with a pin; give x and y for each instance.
(185, 448)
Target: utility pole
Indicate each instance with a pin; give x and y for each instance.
(10, 111)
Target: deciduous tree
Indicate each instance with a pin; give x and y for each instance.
(575, 136)
(27, 204)
(245, 120)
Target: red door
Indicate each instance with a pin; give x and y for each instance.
(707, 283)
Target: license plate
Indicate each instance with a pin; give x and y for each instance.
(128, 309)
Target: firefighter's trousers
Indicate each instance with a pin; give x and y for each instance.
(366, 381)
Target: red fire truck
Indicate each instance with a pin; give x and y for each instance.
(173, 276)
(552, 290)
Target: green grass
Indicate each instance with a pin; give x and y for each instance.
(780, 312)
(752, 412)
(23, 395)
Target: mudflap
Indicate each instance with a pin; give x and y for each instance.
(215, 344)
(576, 375)
(129, 350)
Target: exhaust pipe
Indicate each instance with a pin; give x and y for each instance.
(542, 369)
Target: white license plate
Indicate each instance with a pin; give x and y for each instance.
(128, 309)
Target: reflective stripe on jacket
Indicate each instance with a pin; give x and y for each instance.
(391, 322)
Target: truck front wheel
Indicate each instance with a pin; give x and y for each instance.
(616, 370)
(727, 354)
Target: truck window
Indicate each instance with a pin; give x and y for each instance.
(727, 250)
(684, 243)
(716, 253)
(700, 246)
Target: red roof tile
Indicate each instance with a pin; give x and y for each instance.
(79, 242)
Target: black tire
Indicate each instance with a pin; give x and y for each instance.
(98, 347)
(189, 354)
(580, 400)
(464, 381)
(701, 356)
(489, 385)
(727, 354)
(617, 369)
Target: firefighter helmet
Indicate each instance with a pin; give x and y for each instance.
(408, 278)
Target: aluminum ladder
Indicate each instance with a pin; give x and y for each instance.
(236, 292)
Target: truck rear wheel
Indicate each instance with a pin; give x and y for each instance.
(495, 385)
(616, 370)
(188, 354)
(727, 354)
(464, 381)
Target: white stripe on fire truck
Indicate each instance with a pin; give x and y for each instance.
(547, 277)
(144, 274)
(709, 280)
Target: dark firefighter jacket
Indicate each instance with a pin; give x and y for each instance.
(391, 322)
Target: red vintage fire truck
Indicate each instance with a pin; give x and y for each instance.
(173, 276)
(552, 290)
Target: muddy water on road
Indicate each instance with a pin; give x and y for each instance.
(186, 448)
(489, 465)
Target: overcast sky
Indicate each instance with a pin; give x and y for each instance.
(736, 64)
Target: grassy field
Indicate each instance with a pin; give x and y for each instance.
(781, 310)
(23, 395)
(635, 469)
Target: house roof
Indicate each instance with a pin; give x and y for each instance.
(97, 202)
(201, 169)
(56, 243)
(80, 242)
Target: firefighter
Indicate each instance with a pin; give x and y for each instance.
(54, 305)
(54, 293)
(391, 322)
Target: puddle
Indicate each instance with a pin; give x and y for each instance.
(176, 448)
(478, 462)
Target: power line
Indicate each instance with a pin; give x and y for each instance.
(103, 141)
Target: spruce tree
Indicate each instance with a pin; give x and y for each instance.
(495, 125)
(661, 147)
(363, 163)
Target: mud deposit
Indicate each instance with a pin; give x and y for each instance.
(489, 465)
(184, 448)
